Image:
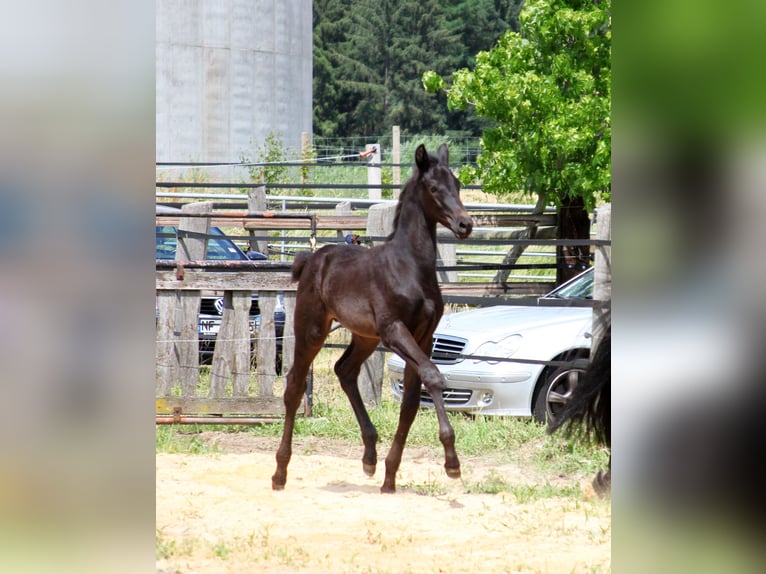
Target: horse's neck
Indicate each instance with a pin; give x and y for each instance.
(415, 234)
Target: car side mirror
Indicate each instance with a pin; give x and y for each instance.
(255, 255)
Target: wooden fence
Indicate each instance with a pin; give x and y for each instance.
(234, 391)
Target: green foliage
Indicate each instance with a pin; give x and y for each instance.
(270, 156)
(369, 56)
(547, 91)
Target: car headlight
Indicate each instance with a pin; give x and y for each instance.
(502, 349)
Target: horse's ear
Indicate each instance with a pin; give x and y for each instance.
(421, 158)
(443, 155)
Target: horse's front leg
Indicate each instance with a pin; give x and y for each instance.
(419, 369)
(434, 383)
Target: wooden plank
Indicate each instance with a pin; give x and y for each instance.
(288, 337)
(265, 351)
(323, 222)
(225, 405)
(177, 356)
(166, 363)
(231, 357)
(224, 280)
(513, 220)
(494, 290)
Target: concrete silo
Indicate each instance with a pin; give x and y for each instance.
(229, 72)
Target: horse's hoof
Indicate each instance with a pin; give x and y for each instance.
(452, 472)
(275, 485)
(602, 484)
(387, 489)
(369, 469)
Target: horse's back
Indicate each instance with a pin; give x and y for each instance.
(343, 265)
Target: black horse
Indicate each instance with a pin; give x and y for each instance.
(588, 412)
(388, 293)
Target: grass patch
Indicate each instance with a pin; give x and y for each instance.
(525, 493)
(494, 483)
(506, 439)
(431, 487)
(186, 440)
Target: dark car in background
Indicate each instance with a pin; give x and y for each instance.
(219, 248)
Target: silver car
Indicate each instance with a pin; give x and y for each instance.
(493, 358)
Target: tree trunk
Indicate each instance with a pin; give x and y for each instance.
(573, 224)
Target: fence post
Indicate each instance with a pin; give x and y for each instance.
(306, 154)
(343, 208)
(373, 171)
(380, 222)
(446, 254)
(602, 279)
(256, 203)
(396, 152)
(177, 348)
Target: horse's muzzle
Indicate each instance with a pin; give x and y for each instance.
(462, 226)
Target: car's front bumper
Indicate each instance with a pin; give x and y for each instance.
(501, 389)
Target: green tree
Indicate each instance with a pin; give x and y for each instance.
(547, 90)
(369, 56)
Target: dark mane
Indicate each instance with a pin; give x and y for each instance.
(403, 197)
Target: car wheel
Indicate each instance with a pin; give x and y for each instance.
(556, 390)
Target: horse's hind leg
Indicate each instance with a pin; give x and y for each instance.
(306, 348)
(347, 369)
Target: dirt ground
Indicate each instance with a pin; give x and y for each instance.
(217, 514)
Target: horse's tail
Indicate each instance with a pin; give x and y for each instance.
(299, 263)
(588, 413)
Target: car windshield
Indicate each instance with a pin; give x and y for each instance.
(218, 248)
(581, 287)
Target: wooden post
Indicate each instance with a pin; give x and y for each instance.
(288, 337)
(256, 203)
(446, 254)
(177, 348)
(232, 346)
(602, 280)
(305, 155)
(343, 208)
(373, 171)
(396, 152)
(380, 222)
(266, 348)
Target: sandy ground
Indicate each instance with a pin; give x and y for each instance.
(217, 514)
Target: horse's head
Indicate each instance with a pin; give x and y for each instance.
(441, 191)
